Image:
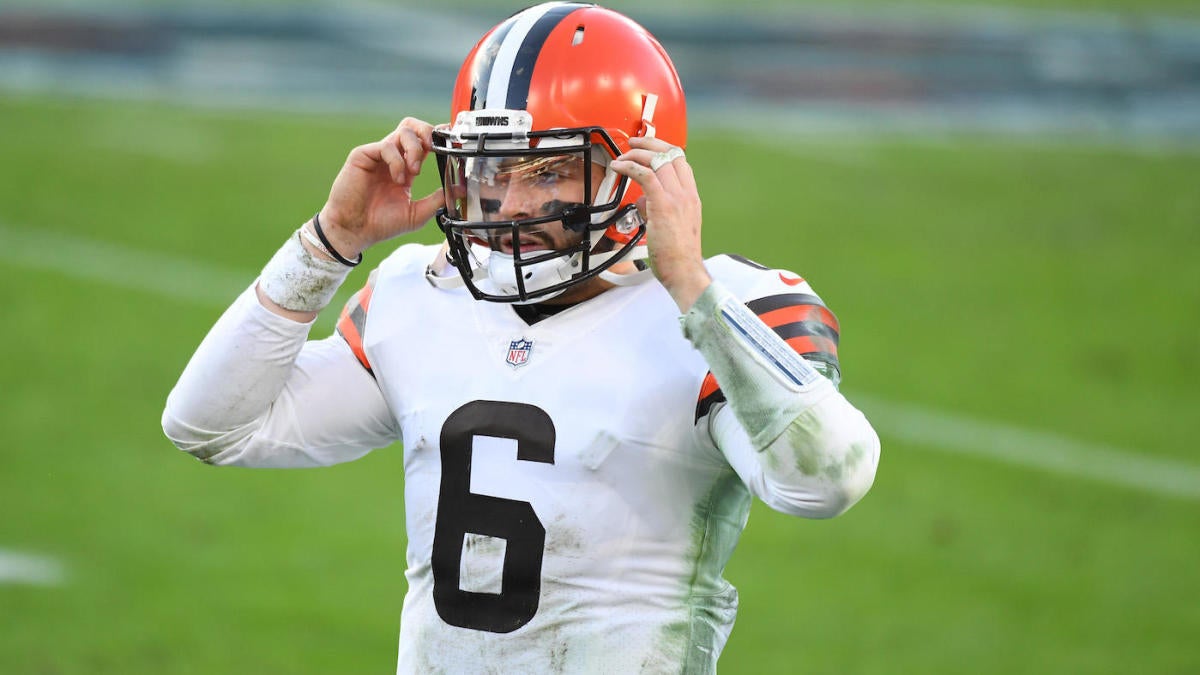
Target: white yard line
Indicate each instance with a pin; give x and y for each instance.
(30, 569)
(185, 279)
(90, 259)
(1033, 449)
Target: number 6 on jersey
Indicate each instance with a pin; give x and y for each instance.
(461, 511)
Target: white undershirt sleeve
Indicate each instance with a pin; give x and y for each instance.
(257, 393)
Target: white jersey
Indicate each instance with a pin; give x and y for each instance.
(571, 496)
(564, 507)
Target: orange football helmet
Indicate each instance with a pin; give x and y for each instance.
(545, 100)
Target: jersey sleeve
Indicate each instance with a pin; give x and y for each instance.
(258, 393)
(795, 441)
(820, 467)
(787, 305)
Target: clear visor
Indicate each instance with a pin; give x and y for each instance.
(541, 196)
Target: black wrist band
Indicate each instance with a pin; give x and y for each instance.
(329, 247)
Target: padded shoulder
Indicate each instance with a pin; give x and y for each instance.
(749, 280)
(352, 324)
(408, 259)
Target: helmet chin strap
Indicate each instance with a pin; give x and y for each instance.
(441, 274)
(502, 273)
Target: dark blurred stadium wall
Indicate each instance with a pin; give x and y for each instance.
(806, 70)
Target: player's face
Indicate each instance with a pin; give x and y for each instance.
(533, 187)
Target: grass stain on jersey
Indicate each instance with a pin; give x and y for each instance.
(717, 522)
(807, 457)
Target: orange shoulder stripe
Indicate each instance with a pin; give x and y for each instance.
(708, 386)
(353, 322)
(350, 334)
(813, 344)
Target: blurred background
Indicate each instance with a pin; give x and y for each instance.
(999, 200)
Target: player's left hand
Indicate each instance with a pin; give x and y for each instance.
(671, 207)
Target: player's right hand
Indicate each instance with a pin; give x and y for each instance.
(371, 198)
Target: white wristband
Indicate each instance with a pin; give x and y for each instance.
(297, 280)
(312, 239)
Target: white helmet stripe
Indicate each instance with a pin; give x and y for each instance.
(519, 51)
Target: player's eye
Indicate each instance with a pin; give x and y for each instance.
(548, 177)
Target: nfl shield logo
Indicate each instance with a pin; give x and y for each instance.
(518, 352)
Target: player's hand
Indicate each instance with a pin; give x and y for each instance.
(671, 207)
(371, 199)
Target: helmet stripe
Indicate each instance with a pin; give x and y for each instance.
(508, 86)
(527, 55)
(486, 63)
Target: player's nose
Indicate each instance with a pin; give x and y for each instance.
(518, 202)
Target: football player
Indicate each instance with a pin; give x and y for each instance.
(587, 406)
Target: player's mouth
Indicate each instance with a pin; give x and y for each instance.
(527, 243)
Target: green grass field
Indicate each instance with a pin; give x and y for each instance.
(1050, 286)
